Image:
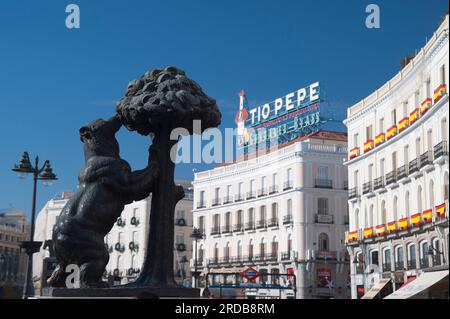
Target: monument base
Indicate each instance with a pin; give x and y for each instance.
(122, 292)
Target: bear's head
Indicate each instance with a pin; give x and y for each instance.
(99, 138)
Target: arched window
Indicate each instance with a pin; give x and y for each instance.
(386, 259)
(323, 242)
(250, 249)
(423, 251)
(289, 207)
(399, 258)
(431, 191)
(274, 210)
(239, 219)
(274, 252)
(371, 215)
(383, 213)
(216, 253)
(201, 254)
(226, 251)
(446, 186)
(227, 221)
(436, 244)
(251, 216)
(395, 208)
(262, 213)
(239, 250)
(407, 211)
(262, 248)
(411, 256)
(357, 226)
(374, 258)
(419, 199)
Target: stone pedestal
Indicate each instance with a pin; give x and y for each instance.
(121, 292)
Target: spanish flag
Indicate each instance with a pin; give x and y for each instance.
(392, 227)
(352, 236)
(415, 220)
(440, 211)
(380, 230)
(439, 92)
(368, 146)
(427, 216)
(391, 132)
(425, 106)
(413, 116)
(354, 152)
(379, 139)
(403, 124)
(368, 232)
(403, 223)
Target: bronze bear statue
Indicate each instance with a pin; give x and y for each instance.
(106, 185)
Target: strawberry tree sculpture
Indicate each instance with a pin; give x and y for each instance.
(156, 104)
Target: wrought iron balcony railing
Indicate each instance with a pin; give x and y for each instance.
(378, 183)
(287, 219)
(251, 195)
(262, 192)
(239, 197)
(228, 199)
(273, 222)
(426, 159)
(201, 204)
(215, 230)
(391, 177)
(324, 219)
(323, 183)
(238, 227)
(288, 185)
(215, 202)
(273, 189)
(441, 149)
(414, 166)
(250, 226)
(261, 224)
(353, 193)
(367, 188)
(402, 172)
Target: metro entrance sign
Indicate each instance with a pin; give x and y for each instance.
(250, 274)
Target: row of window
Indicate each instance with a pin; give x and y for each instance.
(371, 218)
(407, 110)
(264, 251)
(425, 252)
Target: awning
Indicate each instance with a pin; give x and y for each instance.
(376, 289)
(420, 284)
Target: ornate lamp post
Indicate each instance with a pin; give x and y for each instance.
(197, 235)
(45, 174)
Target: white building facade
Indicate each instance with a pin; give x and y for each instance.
(284, 212)
(398, 172)
(126, 242)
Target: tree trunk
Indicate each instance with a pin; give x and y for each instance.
(158, 262)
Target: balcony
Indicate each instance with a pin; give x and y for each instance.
(261, 224)
(201, 204)
(214, 261)
(286, 255)
(215, 231)
(288, 185)
(386, 267)
(225, 260)
(262, 192)
(378, 183)
(250, 226)
(239, 197)
(273, 189)
(367, 188)
(399, 266)
(353, 193)
(226, 229)
(259, 257)
(324, 219)
(414, 166)
(251, 195)
(238, 227)
(391, 177)
(273, 222)
(424, 262)
(287, 219)
(237, 260)
(426, 159)
(402, 172)
(215, 202)
(441, 150)
(228, 199)
(411, 264)
(323, 183)
(272, 256)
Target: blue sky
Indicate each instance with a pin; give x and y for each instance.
(54, 80)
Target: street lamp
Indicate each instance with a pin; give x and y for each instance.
(197, 235)
(45, 174)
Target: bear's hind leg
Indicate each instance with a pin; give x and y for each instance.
(91, 272)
